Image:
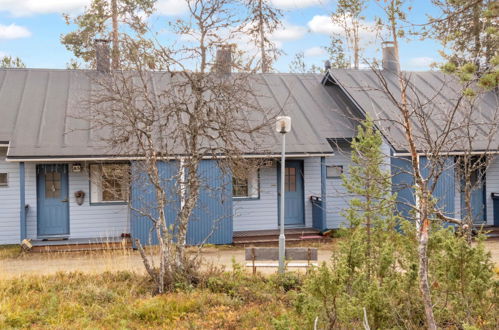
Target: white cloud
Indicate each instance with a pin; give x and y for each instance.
(289, 32)
(324, 25)
(296, 4)
(31, 7)
(314, 51)
(171, 7)
(13, 31)
(421, 62)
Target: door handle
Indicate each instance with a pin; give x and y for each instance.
(65, 200)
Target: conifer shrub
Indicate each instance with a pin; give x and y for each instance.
(372, 277)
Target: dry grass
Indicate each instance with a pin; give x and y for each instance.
(10, 251)
(123, 300)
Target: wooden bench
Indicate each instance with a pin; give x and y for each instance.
(295, 257)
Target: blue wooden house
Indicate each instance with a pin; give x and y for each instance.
(53, 182)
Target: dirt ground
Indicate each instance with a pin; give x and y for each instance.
(101, 261)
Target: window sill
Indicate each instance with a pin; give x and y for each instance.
(245, 198)
(107, 203)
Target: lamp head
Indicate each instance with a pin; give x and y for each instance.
(283, 124)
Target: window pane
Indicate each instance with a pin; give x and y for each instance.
(109, 182)
(239, 187)
(114, 182)
(3, 179)
(290, 179)
(52, 185)
(334, 171)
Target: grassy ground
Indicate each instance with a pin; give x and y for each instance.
(109, 290)
(123, 300)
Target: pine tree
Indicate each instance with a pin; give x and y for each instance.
(102, 20)
(11, 62)
(372, 261)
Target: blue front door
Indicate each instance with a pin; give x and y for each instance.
(293, 192)
(52, 200)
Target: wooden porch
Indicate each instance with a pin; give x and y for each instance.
(257, 237)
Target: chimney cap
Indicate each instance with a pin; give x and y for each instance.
(223, 60)
(388, 43)
(327, 65)
(390, 61)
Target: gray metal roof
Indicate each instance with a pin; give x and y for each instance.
(436, 94)
(38, 110)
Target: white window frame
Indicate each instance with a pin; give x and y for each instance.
(253, 185)
(96, 191)
(328, 167)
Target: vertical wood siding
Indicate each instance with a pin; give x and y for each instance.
(143, 199)
(445, 188)
(211, 221)
(402, 183)
(9, 202)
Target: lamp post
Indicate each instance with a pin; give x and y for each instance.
(283, 126)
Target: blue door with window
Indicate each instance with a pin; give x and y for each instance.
(52, 200)
(294, 202)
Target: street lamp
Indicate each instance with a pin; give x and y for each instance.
(283, 126)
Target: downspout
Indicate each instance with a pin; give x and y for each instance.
(22, 200)
(323, 193)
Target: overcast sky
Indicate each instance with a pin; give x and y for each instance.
(31, 29)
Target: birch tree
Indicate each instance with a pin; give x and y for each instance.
(262, 20)
(348, 16)
(173, 120)
(432, 129)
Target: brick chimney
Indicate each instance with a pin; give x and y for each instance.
(223, 61)
(102, 55)
(390, 62)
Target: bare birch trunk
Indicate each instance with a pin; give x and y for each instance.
(422, 207)
(116, 47)
(262, 38)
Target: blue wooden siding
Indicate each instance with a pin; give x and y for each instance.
(402, 184)
(211, 221)
(445, 188)
(143, 198)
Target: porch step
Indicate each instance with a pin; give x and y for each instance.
(490, 230)
(257, 237)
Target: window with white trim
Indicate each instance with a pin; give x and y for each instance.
(109, 183)
(246, 186)
(334, 171)
(4, 179)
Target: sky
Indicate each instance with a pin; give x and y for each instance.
(31, 30)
